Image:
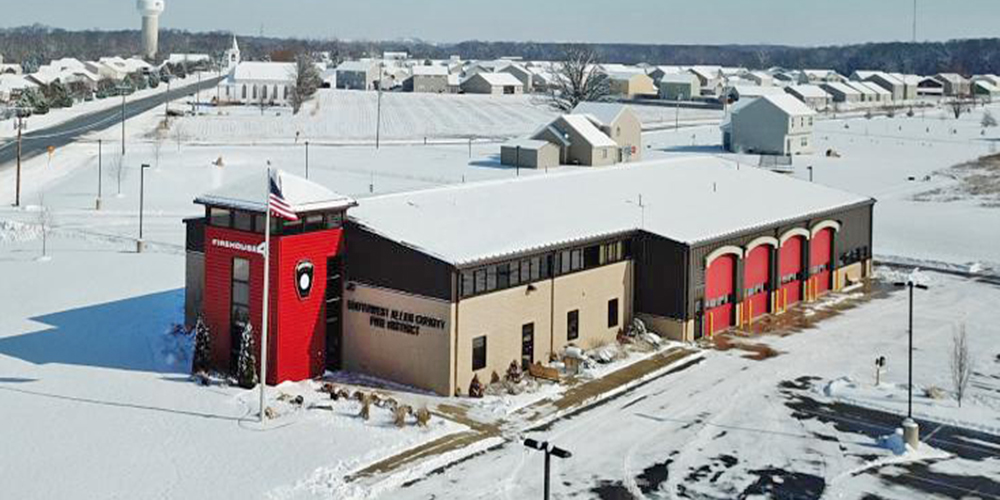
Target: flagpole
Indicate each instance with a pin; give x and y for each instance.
(267, 284)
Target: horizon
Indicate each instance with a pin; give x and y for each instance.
(444, 22)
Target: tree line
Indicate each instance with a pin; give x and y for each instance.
(36, 45)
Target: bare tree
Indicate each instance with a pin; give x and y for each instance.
(178, 134)
(158, 139)
(44, 224)
(961, 363)
(307, 82)
(578, 78)
(988, 119)
(957, 107)
(117, 169)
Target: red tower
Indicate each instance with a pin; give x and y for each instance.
(305, 285)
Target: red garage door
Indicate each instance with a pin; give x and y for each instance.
(756, 281)
(719, 289)
(820, 251)
(791, 271)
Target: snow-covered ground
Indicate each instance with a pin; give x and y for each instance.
(86, 361)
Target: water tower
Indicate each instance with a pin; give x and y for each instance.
(150, 10)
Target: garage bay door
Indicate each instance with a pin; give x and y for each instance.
(791, 271)
(720, 290)
(820, 251)
(757, 280)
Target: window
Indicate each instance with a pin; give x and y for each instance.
(286, 92)
(573, 325)
(313, 223)
(805, 142)
(254, 91)
(334, 220)
(525, 271)
(592, 256)
(491, 278)
(243, 221)
(244, 91)
(468, 284)
(480, 280)
(605, 151)
(612, 313)
(219, 217)
(503, 276)
(618, 131)
(240, 293)
(576, 259)
(258, 223)
(478, 353)
(263, 93)
(536, 268)
(515, 273)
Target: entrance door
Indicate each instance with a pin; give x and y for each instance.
(820, 252)
(334, 323)
(239, 311)
(527, 345)
(720, 291)
(790, 272)
(757, 281)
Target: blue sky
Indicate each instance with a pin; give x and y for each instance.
(791, 22)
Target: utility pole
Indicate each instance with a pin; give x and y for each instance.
(166, 101)
(123, 120)
(20, 128)
(517, 160)
(307, 159)
(911, 431)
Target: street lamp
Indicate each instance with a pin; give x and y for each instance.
(123, 89)
(100, 168)
(549, 451)
(911, 431)
(142, 194)
(307, 159)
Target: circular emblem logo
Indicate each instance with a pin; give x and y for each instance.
(304, 278)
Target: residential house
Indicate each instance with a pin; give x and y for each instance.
(658, 72)
(930, 87)
(493, 84)
(734, 93)
(620, 123)
(9, 68)
(773, 125)
(580, 142)
(955, 85)
(358, 75)
(867, 93)
(709, 79)
(893, 84)
(530, 153)
(12, 86)
(984, 89)
(679, 86)
(760, 78)
(523, 74)
(841, 93)
(820, 76)
(812, 95)
(427, 79)
(631, 85)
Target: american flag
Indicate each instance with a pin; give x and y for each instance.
(276, 201)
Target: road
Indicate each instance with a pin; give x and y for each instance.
(37, 142)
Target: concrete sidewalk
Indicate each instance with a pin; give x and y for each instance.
(418, 461)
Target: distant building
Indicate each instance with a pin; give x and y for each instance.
(631, 85)
(760, 78)
(679, 86)
(12, 86)
(820, 76)
(9, 69)
(524, 75)
(985, 89)
(189, 59)
(774, 125)
(736, 93)
(150, 11)
(232, 56)
(893, 84)
(260, 83)
(427, 79)
(930, 87)
(357, 75)
(658, 72)
(812, 95)
(841, 93)
(954, 84)
(580, 142)
(493, 84)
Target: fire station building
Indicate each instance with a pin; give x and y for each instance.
(429, 288)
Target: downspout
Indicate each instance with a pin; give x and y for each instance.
(552, 311)
(458, 300)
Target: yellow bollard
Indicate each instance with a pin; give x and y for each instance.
(750, 316)
(711, 324)
(784, 306)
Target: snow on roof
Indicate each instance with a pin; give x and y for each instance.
(785, 102)
(842, 88)
(875, 88)
(15, 82)
(686, 200)
(499, 79)
(264, 71)
(987, 86)
(679, 78)
(251, 193)
(756, 91)
(810, 91)
(430, 71)
(584, 125)
(862, 87)
(527, 143)
(356, 66)
(605, 112)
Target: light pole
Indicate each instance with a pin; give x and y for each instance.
(549, 451)
(307, 159)
(517, 160)
(911, 431)
(166, 100)
(100, 174)
(122, 89)
(142, 195)
(20, 128)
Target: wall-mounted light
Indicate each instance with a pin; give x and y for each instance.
(531, 288)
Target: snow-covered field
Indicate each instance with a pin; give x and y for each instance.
(86, 361)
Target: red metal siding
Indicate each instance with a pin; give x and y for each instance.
(820, 251)
(301, 341)
(216, 304)
(757, 272)
(720, 282)
(791, 263)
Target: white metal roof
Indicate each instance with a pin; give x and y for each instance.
(584, 125)
(687, 200)
(251, 192)
(499, 79)
(430, 71)
(787, 103)
(531, 144)
(842, 88)
(356, 66)
(810, 91)
(264, 71)
(606, 112)
(680, 78)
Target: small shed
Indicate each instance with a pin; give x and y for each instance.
(529, 153)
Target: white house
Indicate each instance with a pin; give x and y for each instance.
(812, 95)
(773, 125)
(493, 84)
(255, 83)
